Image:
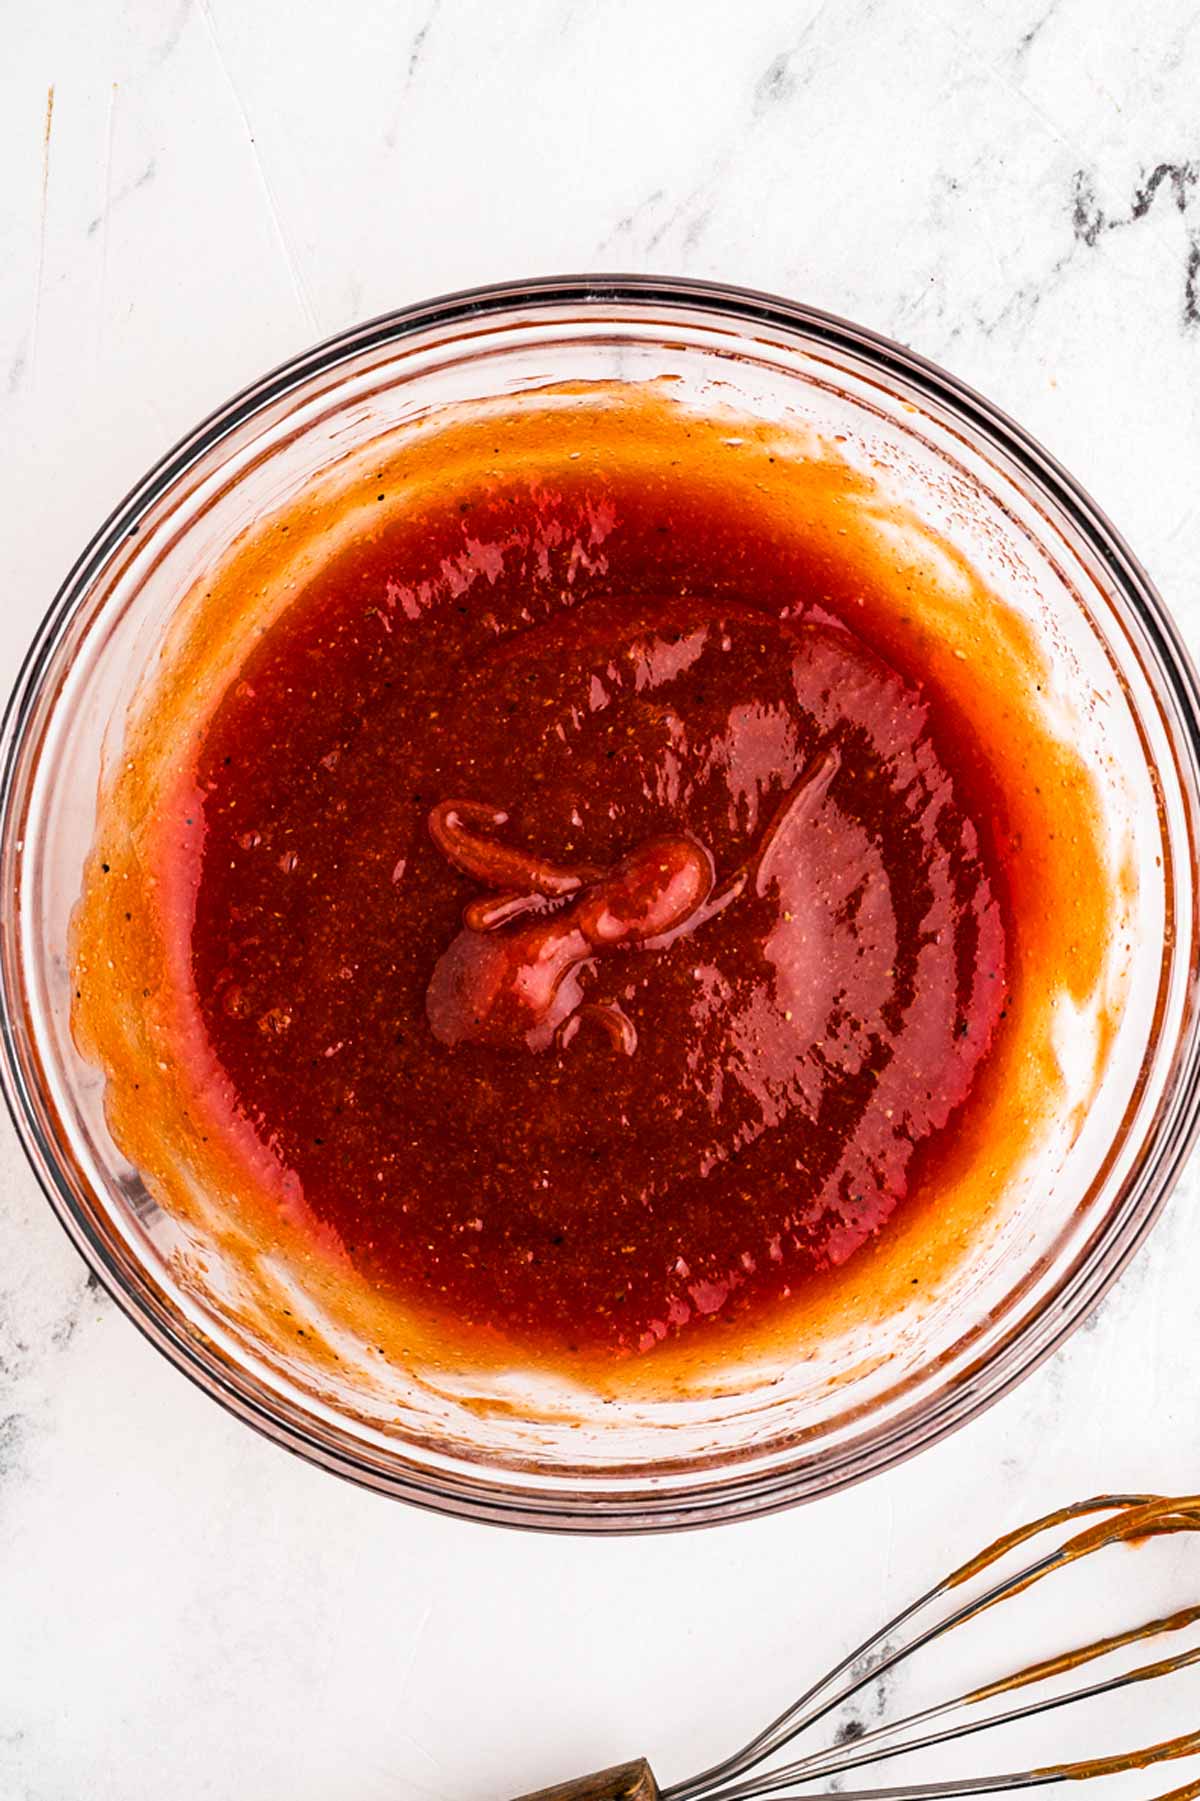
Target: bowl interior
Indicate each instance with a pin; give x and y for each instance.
(517, 1445)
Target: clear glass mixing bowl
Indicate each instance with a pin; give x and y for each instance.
(526, 1454)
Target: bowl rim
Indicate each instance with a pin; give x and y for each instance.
(716, 1498)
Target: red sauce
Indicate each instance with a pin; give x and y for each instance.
(602, 935)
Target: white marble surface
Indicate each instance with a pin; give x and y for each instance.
(1014, 189)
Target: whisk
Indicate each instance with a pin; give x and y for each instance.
(750, 1772)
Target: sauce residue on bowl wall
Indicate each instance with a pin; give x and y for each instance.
(582, 891)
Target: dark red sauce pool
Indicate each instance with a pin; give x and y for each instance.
(596, 927)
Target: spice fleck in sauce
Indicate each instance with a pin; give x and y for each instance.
(592, 916)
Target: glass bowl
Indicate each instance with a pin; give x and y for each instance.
(526, 1453)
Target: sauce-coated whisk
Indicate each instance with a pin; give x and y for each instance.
(751, 1773)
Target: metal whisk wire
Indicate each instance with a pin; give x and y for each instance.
(741, 1777)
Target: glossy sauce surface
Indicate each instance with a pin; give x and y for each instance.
(602, 936)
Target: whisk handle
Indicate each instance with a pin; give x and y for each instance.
(624, 1782)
